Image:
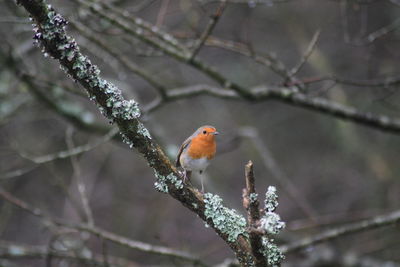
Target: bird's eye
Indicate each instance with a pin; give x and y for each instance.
(204, 132)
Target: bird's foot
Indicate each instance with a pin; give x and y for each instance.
(185, 176)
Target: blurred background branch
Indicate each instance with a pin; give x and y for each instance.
(132, 244)
(364, 225)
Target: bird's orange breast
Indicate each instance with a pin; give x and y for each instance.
(202, 147)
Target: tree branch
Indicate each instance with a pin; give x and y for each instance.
(77, 176)
(287, 96)
(377, 121)
(72, 151)
(251, 204)
(306, 54)
(352, 228)
(10, 250)
(51, 34)
(129, 243)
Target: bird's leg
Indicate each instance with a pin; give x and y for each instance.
(186, 175)
(201, 181)
(202, 186)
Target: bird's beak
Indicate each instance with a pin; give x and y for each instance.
(215, 133)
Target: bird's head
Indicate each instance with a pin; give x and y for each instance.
(207, 133)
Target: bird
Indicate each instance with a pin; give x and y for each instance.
(195, 153)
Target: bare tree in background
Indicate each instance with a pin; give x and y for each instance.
(279, 79)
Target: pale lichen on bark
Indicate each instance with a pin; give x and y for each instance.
(162, 181)
(272, 224)
(228, 221)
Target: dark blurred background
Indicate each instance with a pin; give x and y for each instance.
(327, 171)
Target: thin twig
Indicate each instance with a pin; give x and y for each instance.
(169, 42)
(385, 82)
(267, 59)
(104, 252)
(207, 32)
(335, 218)
(364, 225)
(306, 54)
(21, 204)
(189, 91)
(162, 12)
(77, 175)
(17, 173)
(10, 250)
(74, 151)
(383, 31)
(70, 197)
(344, 20)
(133, 244)
(129, 243)
(363, 20)
(373, 36)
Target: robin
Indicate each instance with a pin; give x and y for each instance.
(196, 152)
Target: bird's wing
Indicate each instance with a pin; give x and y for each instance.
(181, 149)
